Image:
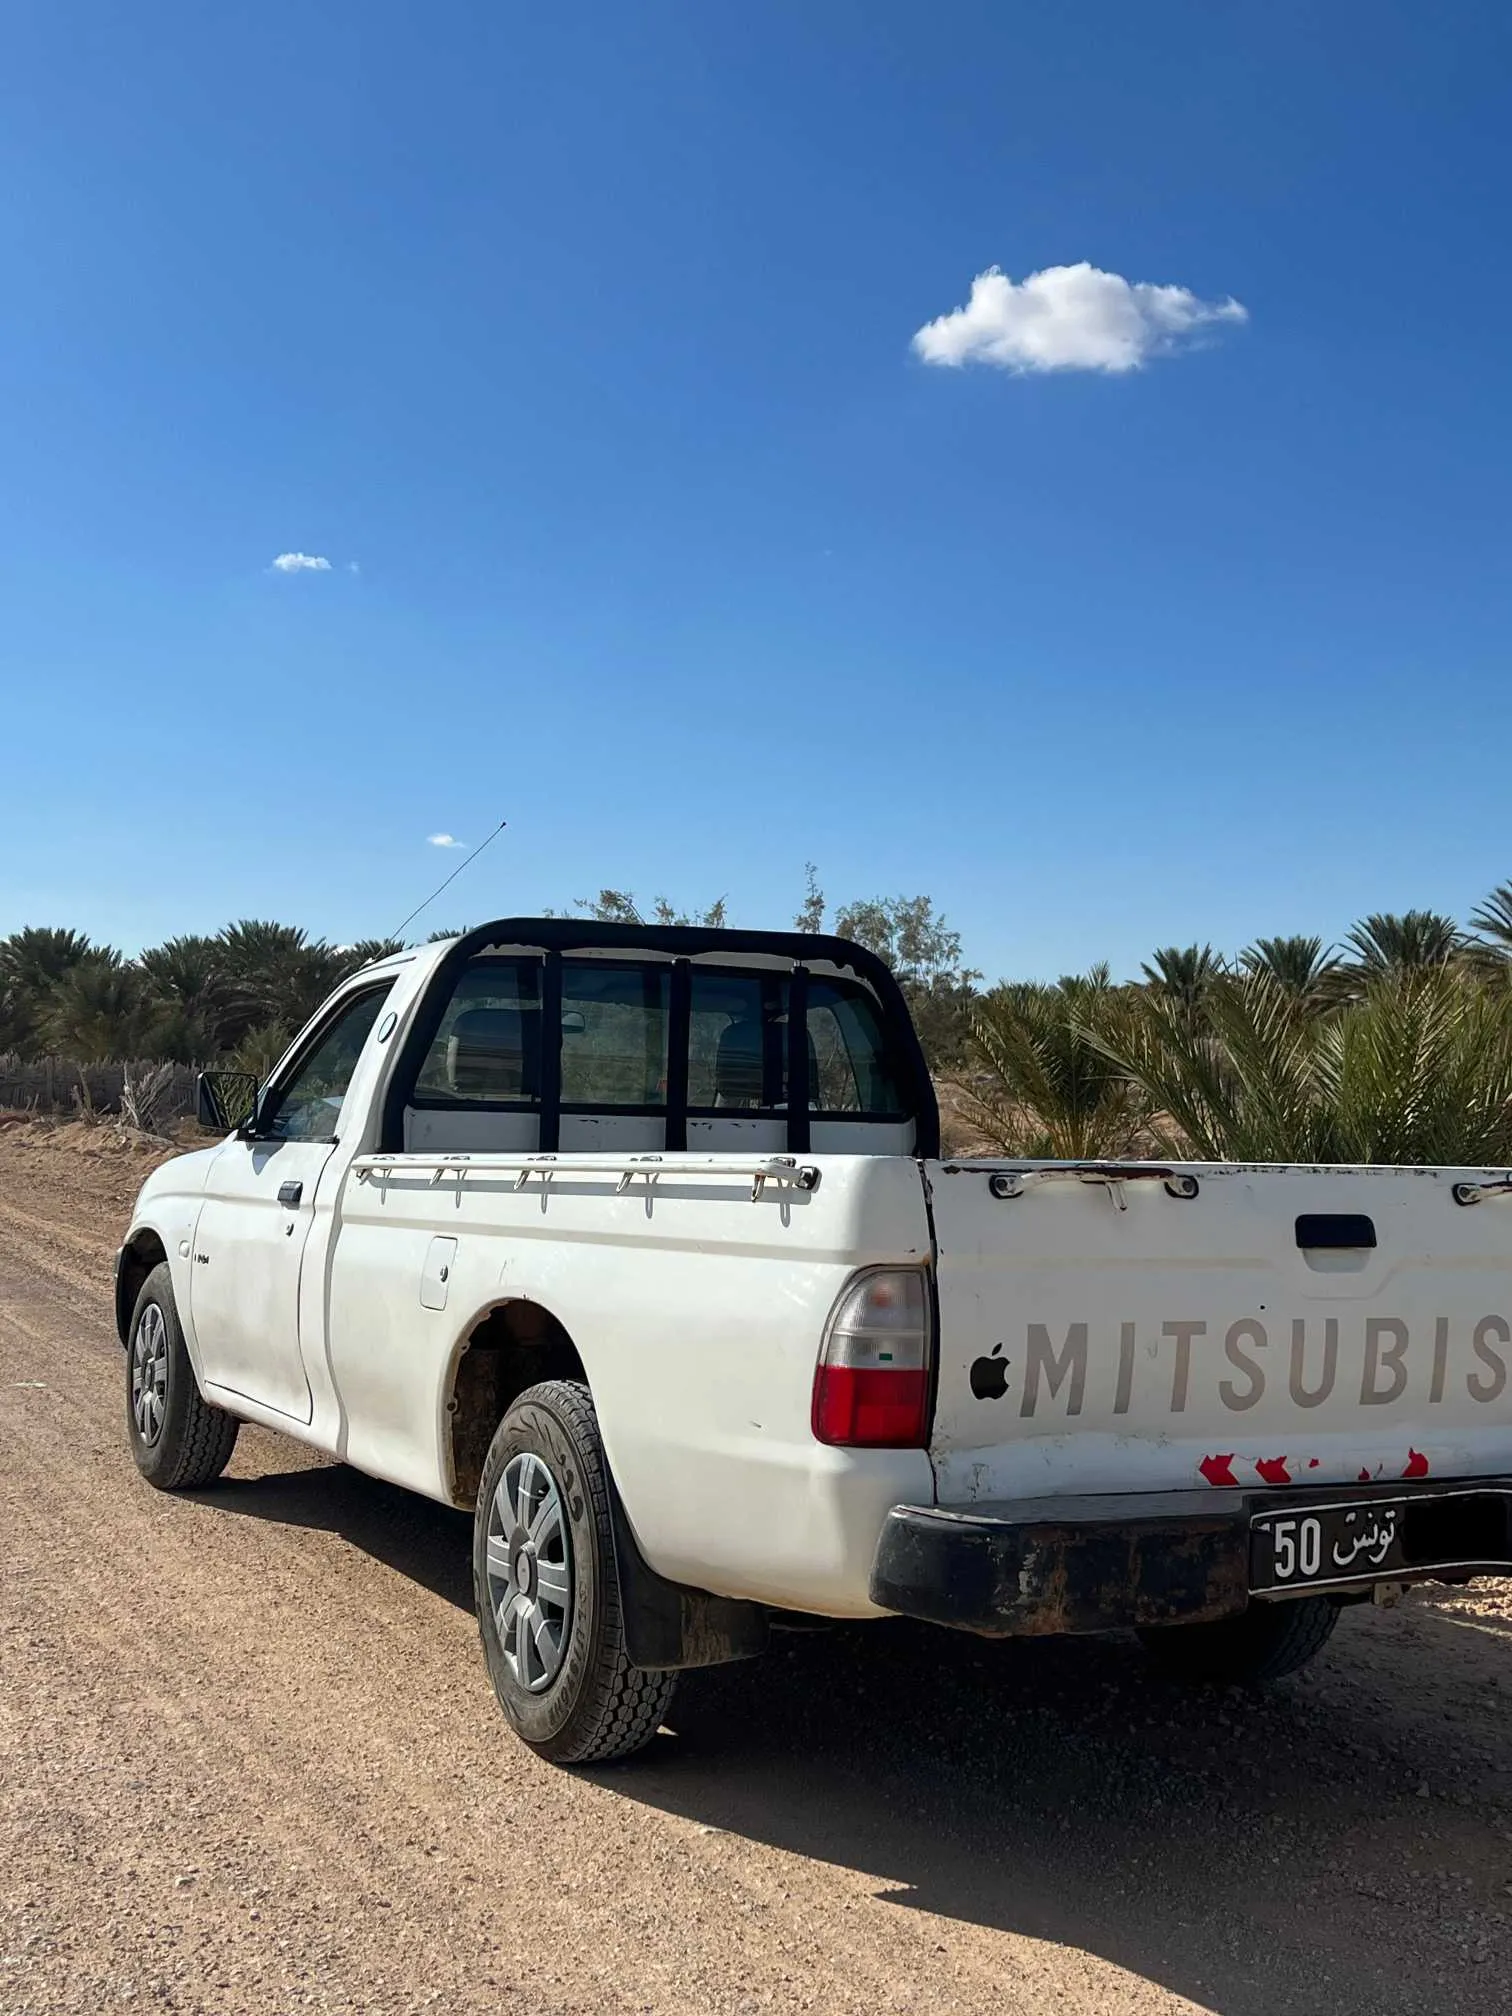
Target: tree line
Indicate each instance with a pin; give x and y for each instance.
(194, 999)
(237, 995)
(1393, 1046)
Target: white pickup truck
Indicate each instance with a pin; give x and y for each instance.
(532, 1221)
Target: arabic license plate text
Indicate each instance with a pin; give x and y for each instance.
(1331, 1543)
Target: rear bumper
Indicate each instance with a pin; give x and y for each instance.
(1039, 1567)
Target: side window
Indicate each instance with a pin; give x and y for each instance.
(487, 1050)
(307, 1106)
(614, 1033)
(739, 1038)
(847, 1054)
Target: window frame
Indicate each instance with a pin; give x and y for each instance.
(429, 1102)
(289, 1066)
(549, 938)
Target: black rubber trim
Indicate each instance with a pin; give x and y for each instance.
(1035, 1567)
(679, 1036)
(799, 1091)
(551, 1055)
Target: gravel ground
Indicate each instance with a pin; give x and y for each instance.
(249, 1762)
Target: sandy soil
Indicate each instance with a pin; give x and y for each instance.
(249, 1762)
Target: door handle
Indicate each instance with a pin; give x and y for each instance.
(290, 1193)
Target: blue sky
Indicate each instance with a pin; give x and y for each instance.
(586, 335)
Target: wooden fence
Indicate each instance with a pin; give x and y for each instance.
(58, 1085)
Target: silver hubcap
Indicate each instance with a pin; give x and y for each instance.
(530, 1572)
(149, 1375)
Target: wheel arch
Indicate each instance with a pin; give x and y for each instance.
(143, 1250)
(507, 1347)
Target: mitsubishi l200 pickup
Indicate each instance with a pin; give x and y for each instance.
(639, 1244)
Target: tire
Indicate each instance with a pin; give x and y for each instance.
(179, 1440)
(547, 1591)
(1264, 1642)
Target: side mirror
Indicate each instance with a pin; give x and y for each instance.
(225, 1101)
(574, 1022)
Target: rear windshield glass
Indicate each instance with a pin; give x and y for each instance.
(615, 1029)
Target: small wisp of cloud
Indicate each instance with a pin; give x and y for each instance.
(443, 840)
(1069, 318)
(301, 563)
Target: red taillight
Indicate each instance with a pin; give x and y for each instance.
(863, 1407)
(871, 1386)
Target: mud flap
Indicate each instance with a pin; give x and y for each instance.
(669, 1626)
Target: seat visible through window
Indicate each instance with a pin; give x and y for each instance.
(492, 1052)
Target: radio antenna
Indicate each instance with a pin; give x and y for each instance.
(451, 878)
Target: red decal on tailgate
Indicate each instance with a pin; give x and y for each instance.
(1218, 1469)
(1273, 1470)
(1417, 1464)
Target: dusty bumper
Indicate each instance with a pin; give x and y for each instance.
(1030, 1568)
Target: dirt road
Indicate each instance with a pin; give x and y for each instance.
(249, 1763)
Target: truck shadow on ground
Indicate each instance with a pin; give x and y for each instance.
(1338, 1842)
(1265, 1853)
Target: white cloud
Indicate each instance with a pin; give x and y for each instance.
(301, 563)
(1068, 318)
(443, 840)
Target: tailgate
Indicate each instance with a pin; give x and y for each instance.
(1101, 1335)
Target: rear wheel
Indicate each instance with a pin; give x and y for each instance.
(1264, 1642)
(178, 1439)
(546, 1588)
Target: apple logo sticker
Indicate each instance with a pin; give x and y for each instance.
(989, 1376)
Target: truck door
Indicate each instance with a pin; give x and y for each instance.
(259, 1206)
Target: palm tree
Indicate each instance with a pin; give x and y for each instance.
(1387, 943)
(100, 1009)
(277, 974)
(1044, 1088)
(1301, 965)
(1419, 1070)
(1183, 974)
(1493, 920)
(188, 981)
(32, 962)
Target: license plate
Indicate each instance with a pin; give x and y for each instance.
(1328, 1543)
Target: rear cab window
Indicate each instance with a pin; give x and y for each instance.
(652, 1042)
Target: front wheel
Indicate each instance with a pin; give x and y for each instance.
(179, 1440)
(1264, 1642)
(546, 1588)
